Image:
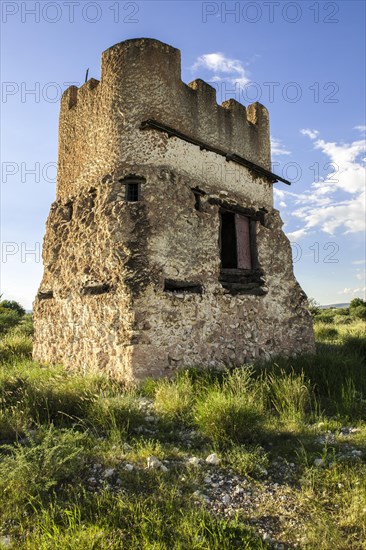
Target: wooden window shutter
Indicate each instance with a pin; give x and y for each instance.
(242, 224)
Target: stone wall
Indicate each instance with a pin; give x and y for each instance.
(103, 304)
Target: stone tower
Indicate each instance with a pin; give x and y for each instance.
(163, 248)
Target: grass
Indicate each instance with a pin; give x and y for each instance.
(74, 450)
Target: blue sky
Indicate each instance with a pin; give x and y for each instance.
(303, 60)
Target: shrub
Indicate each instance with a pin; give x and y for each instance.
(49, 458)
(356, 302)
(231, 412)
(174, 399)
(25, 326)
(342, 319)
(326, 318)
(358, 312)
(118, 413)
(8, 319)
(246, 461)
(343, 311)
(13, 306)
(326, 333)
(15, 346)
(290, 395)
(313, 306)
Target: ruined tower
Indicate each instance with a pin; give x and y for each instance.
(163, 248)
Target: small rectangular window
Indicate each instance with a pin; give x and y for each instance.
(235, 241)
(132, 192)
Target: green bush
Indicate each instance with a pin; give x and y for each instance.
(356, 302)
(246, 461)
(49, 458)
(25, 326)
(174, 398)
(118, 413)
(324, 332)
(231, 412)
(342, 319)
(326, 318)
(15, 346)
(290, 395)
(13, 306)
(8, 319)
(343, 311)
(359, 312)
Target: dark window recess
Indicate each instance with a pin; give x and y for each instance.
(47, 295)
(171, 285)
(197, 201)
(240, 272)
(198, 194)
(94, 290)
(69, 211)
(228, 240)
(132, 184)
(92, 197)
(235, 241)
(132, 192)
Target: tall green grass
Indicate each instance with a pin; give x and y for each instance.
(56, 427)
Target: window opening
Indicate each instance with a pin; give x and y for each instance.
(235, 241)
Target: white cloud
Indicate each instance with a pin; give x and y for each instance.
(294, 235)
(353, 291)
(336, 202)
(225, 68)
(359, 262)
(361, 128)
(311, 133)
(277, 148)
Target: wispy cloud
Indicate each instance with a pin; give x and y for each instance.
(353, 291)
(361, 128)
(336, 202)
(224, 68)
(277, 148)
(311, 133)
(297, 234)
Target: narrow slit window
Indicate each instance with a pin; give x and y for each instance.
(198, 194)
(197, 201)
(235, 241)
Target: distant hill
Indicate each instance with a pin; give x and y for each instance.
(334, 306)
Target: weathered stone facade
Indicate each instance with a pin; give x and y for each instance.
(134, 278)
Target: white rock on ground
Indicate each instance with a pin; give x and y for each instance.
(153, 463)
(194, 461)
(213, 459)
(109, 472)
(128, 467)
(319, 462)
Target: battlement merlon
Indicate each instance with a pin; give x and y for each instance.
(141, 80)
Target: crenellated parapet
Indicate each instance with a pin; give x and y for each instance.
(141, 80)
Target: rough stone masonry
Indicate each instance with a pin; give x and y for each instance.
(163, 248)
